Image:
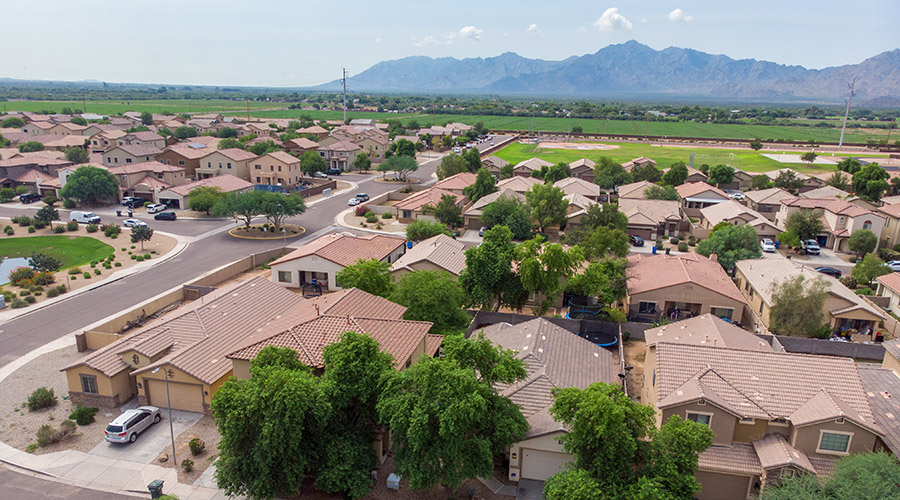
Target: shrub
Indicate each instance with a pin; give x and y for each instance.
(94, 263)
(22, 220)
(38, 293)
(682, 247)
(132, 247)
(139, 258)
(361, 210)
(118, 264)
(133, 257)
(24, 293)
(111, 230)
(71, 226)
(386, 215)
(31, 448)
(61, 289)
(146, 256)
(372, 219)
(92, 228)
(369, 214)
(853, 260)
(96, 272)
(41, 398)
(187, 465)
(865, 291)
(850, 282)
(59, 228)
(38, 224)
(20, 274)
(44, 278)
(30, 299)
(73, 277)
(886, 254)
(31, 229)
(83, 415)
(9, 230)
(18, 304)
(69, 203)
(47, 435)
(75, 270)
(124, 249)
(674, 241)
(53, 292)
(197, 446)
(87, 275)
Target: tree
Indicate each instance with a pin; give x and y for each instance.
(609, 174)
(241, 207)
(447, 211)
(228, 132)
(204, 198)
(731, 244)
(605, 214)
(557, 172)
(423, 229)
(362, 162)
(277, 207)
(273, 356)
(47, 214)
(755, 144)
(30, 146)
(185, 132)
(797, 305)
(146, 118)
(50, 200)
(402, 165)
(788, 180)
(869, 268)
(809, 157)
(7, 194)
(44, 263)
(90, 185)
(484, 184)
(600, 242)
(488, 280)
(142, 234)
(403, 147)
(447, 423)
(677, 174)
(263, 147)
(372, 275)
(760, 181)
(648, 173)
(506, 171)
(77, 155)
(849, 165)
(547, 205)
(603, 279)
(311, 163)
(860, 476)
(473, 159)
(12, 122)
(805, 223)
(870, 182)
(839, 180)
(863, 241)
(509, 212)
(577, 129)
(720, 174)
(542, 268)
(230, 143)
(661, 193)
(433, 296)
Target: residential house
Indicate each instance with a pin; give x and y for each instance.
(215, 117)
(809, 182)
(231, 161)
(300, 145)
(890, 232)
(202, 126)
(888, 286)
(576, 209)
(734, 213)
(493, 164)
(21, 165)
(680, 286)
(634, 190)
(743, 181)
(315, 130)
(766, 201)
(582, 169)
(518, 183)
(576, 185)
(339, 154)
(375, 145)
(39, 128)
(67, 128)
(179, 196)
(104, 140)
(764, 429)
(64, 142)
(416, 205)
(698, 195)
(554, 358)
(652, 219)
(457, 183)
(148, 178)
(276, 169)
(438, 253)
(184, 155)
(641, 162)
(362, 122)
(526, 167)
(472, 215)
(840, 218)
(314, 266)
(882, 386)
(695, 175)
(129, 154)
(146, 139)
(826, 192)
(843, 310)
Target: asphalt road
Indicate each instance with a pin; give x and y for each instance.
(25, 487)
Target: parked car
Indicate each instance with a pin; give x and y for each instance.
(126, 427)
(482, 230)
(636, 240)
(736, 196)
(893, 264)
(320, 175)
(165, 216)
(362, 196)
(333, 171)
(84, 217)
(353, 202)
(830, 271)
(133, 201)
(29, 197)
(767, 245)
(133, 223)
(810, 247)
(156, 207)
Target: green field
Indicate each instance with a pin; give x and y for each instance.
(154, 106)
(70, 250)
(749, 161)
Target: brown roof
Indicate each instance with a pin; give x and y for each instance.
(882, 388)
(282, 157)
(771, 196)
(226, 183)
(728, 210)
(533, 164)
(235, 154)
(477, 208)
(892, 210)
(441, 251)
(654, 272)
(774, 451)
(825, 192)
(890, 281)
(824, 406)
(304, 143)
(518, 183)
(188, 151)
(628, 165)
(340, 145)
(690, 189)
(572, 185)
(831, 204)
(457, 182)
(495, 161)
(583, 162)
(649, 212)
(738, 458)
(146, 166)
(431, 196)
(345, 249)
(146, 136)
(634, 190)
(554, 357)
(152, 182)
(708, 330)
(136, 150)
(315, 129)
(33, 175)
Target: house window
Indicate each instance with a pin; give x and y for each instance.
(284, 276)
(181, 163)
(407, 214)
(229, 164)
(209, 164)
(722, 312)
(747, 421)
(699, 417)
(840, 220)
(834, 442)
(89, 384)
(751, 289)
(257, 179)
(257, 167)
(127, 160)
(867, 224)
(647, 307)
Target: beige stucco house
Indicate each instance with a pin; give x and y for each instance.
(148, 178)
(179, 196)
(276, 169)
(766, 201)
(651, 219)
(734, 213)
(438, 253)
(840, 217)
(232, 161)
(129, 154)
(697, 195)
(416, 205)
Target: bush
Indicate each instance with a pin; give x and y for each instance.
(22, 220)
(361, 210)
(59, 228)
(24, 293)
(69, 203)
(386, 215)
(31, 229)
(9, 230)
(71, 226)
(20, 274)
(682, 247)
(92, 228)
(94, 263)
(38, 224)
(61, 289)
(853, 260)
(197, 446)
(83, 415)
(372, 218)
(87, 275)
(886, 254)
(674, 241)
(146, 256)
(30, 299)
(865, 291)
(187, 465)
(118, 264)
(38, 293)
(96, 272)
(75, 270)
(41, 398)
(139, 258)
(47, 435)
(111, 230)
(18, 304)
(53, 292)
(850, 282)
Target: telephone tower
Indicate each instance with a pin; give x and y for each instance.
(847, 113)
(344, 81)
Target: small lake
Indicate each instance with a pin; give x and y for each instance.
(8, 264)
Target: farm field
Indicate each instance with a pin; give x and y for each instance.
(749, 161)
(153, 106)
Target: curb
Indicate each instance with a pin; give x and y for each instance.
(340, 222)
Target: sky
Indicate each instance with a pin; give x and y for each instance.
(301, 43)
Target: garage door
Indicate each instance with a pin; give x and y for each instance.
(722, 486)
(183, 396)
(643, 233)
(540, 465)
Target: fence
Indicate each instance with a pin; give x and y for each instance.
(855, 350)
(580, 326)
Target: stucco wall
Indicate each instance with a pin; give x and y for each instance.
(806, 438)
(688, 293)
(722, 422)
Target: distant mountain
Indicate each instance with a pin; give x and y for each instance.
(635, 70)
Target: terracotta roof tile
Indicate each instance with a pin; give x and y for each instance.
(738, 459)
(634, 190)
(518, 183)
(431, 196)
(771, 196)
(774, 451)
(345, 249)
(227, 183)
(441, 251)
(572, 185)
(653, 272)
(457, 182)
(146, 166)
(882, 388)
(646, 212)
(533, 164)
(707, 330)
(282, 157)
(691, 189)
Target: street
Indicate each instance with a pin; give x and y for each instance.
(24, 487)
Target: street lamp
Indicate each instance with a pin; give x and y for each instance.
(169, 404)
(283, 232)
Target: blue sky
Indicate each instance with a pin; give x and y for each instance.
(296, 43)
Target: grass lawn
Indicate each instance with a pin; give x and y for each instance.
(70, 250)
(749, 161)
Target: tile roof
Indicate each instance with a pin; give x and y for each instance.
(477, 208)
(152, 182)
(33, 175)
(773, 174)
(774, 451)
(315, 129)
(518, 183)
(653, 272)
(227, 183)
(628, 165)
(825, 192)
(708, 330)
(431, 196)
(571, 185)
(692, 189)
(831, 204)
(771, 196)
(146, 136)
(235, 154)
(345, 249)
(495, 161)
(340, 145)
(824, 406)
(892, 210)
(281, 156)
(533, 164)
(582, 162)
(554, 357)
(304, 143)
(136, 150)
(890, 281)
(633, 190)
(738, 458)
(187, 151)
(882, 388)
(893, 347)
(649, 211)
(441, 251)
(457, 182)
(729, 210)
(146, 166)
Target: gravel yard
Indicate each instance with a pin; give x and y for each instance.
(205, 430)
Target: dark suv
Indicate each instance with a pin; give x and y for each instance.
(636, 240)
(333, 171)
(165, 216)
(29, 197)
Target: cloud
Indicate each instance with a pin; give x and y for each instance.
(533, 29)
(612, 20)
(677, 16)
(378, 40)
(435, 40)
(470, 33)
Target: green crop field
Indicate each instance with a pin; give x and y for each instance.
(749, 161)
(154, 106)
(70, 250)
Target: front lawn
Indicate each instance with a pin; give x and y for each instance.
(70, 250)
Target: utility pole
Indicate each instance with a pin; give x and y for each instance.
(847, 113)
(344, 81)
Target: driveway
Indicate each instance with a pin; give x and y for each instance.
(825, 258)
(150, 443)
(530, 489)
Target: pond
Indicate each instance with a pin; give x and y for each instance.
(8, 264)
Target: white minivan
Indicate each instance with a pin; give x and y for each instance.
(84, 217)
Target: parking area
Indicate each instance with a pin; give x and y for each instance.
(150, 443)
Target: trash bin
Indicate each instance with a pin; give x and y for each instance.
(393, 482)
(668, 249)
(155, 488)
(653, 250)
(118, 213)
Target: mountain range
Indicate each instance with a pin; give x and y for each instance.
(634, 70)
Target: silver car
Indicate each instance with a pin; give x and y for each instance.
(126, 427)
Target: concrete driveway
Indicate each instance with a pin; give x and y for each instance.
(530, 490)
(150, 443)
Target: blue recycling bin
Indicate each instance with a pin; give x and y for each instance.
(777, 244)
(653, 250)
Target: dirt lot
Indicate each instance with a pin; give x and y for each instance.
(634, 356)
(204, 430)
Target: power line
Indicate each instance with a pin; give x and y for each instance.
(344, 82)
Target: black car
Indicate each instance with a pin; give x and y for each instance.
(830, 271)
(333, 171)
(29, 197)
(636, 240)
(165, 216)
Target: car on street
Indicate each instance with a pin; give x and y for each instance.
(133, 223)
(636, 240)
(362, 197)
(126, 427)
(333, 171)
(84, 217)
(830, 271)
(767, 245)
(29, 197)
(810, 247)
(155, 208)
(736, 196)
(893, 264)
(165, 216)
(321, 175)
(353, 202)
